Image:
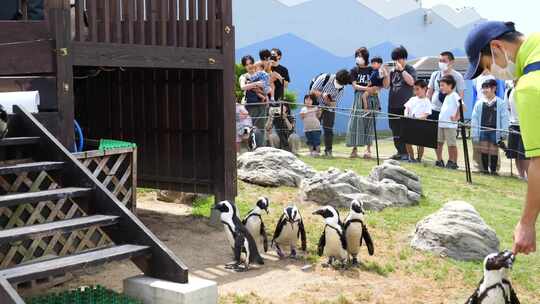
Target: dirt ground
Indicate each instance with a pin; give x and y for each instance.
(204, 249)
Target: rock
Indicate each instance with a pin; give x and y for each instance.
(272, 167)
(177, 197)
(337, 188)
(456, 231)
(392, 170)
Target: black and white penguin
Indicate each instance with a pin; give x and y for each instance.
(239, 238)
(289, 229)
(255, 224)
(495, 287)
(333, 242)
(356, 231)
(3, 122)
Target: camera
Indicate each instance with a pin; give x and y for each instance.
(275, 110)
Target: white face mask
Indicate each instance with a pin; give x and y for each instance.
(506, 73)
(443, 66)
(337, 85)
(360, 61)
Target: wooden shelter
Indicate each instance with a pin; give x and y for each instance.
(159, 73)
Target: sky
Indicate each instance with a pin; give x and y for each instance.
(523, 12)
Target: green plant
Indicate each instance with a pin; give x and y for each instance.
(239, 70)
(291, 97)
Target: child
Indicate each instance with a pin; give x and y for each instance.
(310, 115)
(257, 74)
(243, 121)
(448, 123)
(418, 107)
(489, 116)
(375, 80)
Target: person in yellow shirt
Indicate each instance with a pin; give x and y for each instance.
(509, 55)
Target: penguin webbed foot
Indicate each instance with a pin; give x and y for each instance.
(355, 263)
(293, 255)
(232, 265)
(279, 252)
(329, 263)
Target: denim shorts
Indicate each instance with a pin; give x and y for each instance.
(313, 138)
(489, 136)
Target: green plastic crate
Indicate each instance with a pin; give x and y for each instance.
(84, 295)
(110, 144)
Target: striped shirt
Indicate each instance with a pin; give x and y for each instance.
(328, 88)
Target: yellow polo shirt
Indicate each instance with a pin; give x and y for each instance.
(528, 95)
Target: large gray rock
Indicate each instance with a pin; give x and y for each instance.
(272, 167)
(337, 188)
(392, 170)
(456, 231)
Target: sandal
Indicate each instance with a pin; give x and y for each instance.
(354, 154)
(367, 155)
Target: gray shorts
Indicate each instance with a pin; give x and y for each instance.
(447, 135)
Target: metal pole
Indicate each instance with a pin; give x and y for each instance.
(465, 146)
(376, 138)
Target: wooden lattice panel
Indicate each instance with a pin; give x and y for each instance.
(116, 170)
(43, 212)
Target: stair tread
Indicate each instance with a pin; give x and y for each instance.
(40, 196)
(48, 229)
(18, 141)
(61, 265)
(28, 167)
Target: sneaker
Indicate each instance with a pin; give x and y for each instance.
(404, 157)
(439, 163)
(396, 157)
(452, 165)
(494, 173)
(413, 161)
(419, 160)
(328, 153)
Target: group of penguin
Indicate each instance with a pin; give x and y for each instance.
(340, 241)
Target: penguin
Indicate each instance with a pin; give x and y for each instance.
(289, 229)
(3, 122)
(356, 231)
(255, 225)
(239, 238)
(333, 242)
(495, 287)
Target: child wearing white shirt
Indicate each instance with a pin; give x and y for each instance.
(418, 107)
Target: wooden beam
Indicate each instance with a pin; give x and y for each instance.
(61, 26)
(27, 57)
(24, 31)
(8, 294)
(143, 56)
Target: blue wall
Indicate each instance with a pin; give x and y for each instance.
(310, 47)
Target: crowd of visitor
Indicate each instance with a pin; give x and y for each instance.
(439, 100)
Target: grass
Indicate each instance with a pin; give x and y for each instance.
(499, 200)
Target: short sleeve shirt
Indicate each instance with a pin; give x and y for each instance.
(361, 75)
(449, 109)
(310, 120)
(280, 87)
(434, 84)
(400, 90)
(417, 107)
(528, 95)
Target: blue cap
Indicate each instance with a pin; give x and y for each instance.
(479, 37)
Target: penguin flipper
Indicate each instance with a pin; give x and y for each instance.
(367, 238)
(279, 228)
(474, 298)
(254, 255)
(265, 237)
(513, 296)
(302, 233)
(237, 249)
(322, 243)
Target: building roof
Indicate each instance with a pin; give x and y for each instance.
(425, 66)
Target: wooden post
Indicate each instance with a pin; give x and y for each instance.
(468, 173)
(225, 188)
(60, 22)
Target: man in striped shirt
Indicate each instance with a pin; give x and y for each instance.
(329, 89)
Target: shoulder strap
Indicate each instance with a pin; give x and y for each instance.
(533, 67)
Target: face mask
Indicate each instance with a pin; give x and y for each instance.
(337, 85)
(360, 61)
(507, 73)
(443, 66)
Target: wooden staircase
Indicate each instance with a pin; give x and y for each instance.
(72, 181)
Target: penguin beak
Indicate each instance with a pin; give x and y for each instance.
(318, 212)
